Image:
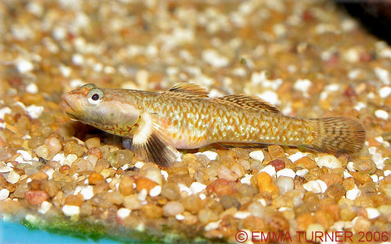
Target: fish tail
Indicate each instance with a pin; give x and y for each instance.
(338, 135)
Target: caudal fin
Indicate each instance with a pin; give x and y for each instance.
(338, 135)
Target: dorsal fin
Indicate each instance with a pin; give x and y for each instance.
(247, 102)
(188, 90)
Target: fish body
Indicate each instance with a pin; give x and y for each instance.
(184, 117)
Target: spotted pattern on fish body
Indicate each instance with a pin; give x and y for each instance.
(184, 117)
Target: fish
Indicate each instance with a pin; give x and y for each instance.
(155, 125)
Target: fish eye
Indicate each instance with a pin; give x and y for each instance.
(95, 96)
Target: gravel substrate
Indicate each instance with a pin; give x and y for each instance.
(307, 57)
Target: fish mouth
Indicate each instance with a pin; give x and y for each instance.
(69, 107)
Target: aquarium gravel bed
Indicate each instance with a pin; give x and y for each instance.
(307, 57)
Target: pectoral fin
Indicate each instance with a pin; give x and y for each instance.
(150, 144)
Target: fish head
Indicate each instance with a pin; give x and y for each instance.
(104, 109)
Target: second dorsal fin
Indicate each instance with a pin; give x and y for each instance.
(188, 90)
(247, 102)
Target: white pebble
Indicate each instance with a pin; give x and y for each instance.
(212, 225)
(154, 192)
(59, 157)
(32, 88)
(34, 111)
(359, 106)
(5, 169)
(303, 86)
(375, 178)
(286, 172)
(346, 174)
(372, 213)
(4, 111)
(139, 164)
(257, 155)
(246, 179)
(384, 91)
(353, 194)
(197, 187)
(86, 191)
(70, 210)
(78, 59)
(179, 217)
(350, 167)
(76, 83)
(241, 214)
(13, 177)
(383, 75)
(154, 175)
(302, 172)
(285, 184)
(202, 196)
(387, 172)
(210, 155)
(381, 114)
(59, 33)
(329, 161)
(315, 186)
(24, 66)
(296, 156)
(26, 155)
(45, 207)
(4, 193)
(270, 96)
(50, 173)
(142, 195)
(270, 170)
(164, 173)
(123, 213)
(184, 188)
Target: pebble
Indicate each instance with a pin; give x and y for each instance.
(115, 197)
(70, 210)
(154, 174)
(286, 172)
(315, 186)
(86, 191)
(265, 183)
(257, 209)
(306, 163)
(209, 154)
(154, 192)
(229, 202)
(353, 194)
(13, 177)
(36, 197)
(173, 208)
(221, 187)
(122, 213)
(74, 200)
(45, 207)
(270, 170)
(144, 183)
(152, 211)
(206, 216)
(197, 187)
(372, 213)
(257, 155)
(95, 178)
(277, 164)
(125, 186)
(276, 151)
(285, 184)
(93, 142)
(4, 193)
(132, 202)
(224, 172)
(381, 114)
(329, 161)
(193, 204)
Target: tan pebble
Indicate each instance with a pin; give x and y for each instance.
(54, 145)
(152, 211)
(206, 216)
(40, 176)
(278, 223)
(74, 200)
(101, 165)
(144, 183)
(306, 163)
(42, 151)
(173, 208)
(304, 220)
(115, 197)
(93, 142)
(265, 183)
(364, 201)
(224, 172)
(125, 186)
(362, 224)
(221, 187)
(347, 214)
(36, 197)
(366, 165)
(361, 177)
(107, 173)
(96, 152)
(132, 202)
(34, 185)
(58, 199)
(190, 219)
(276, 151)
(335, 191)
(193, 204)
(255, 223)
(154, 174)
(50, 187)
(324, 218)
(171, 191)
(95, 178)
(64, 169)
(331, 179)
